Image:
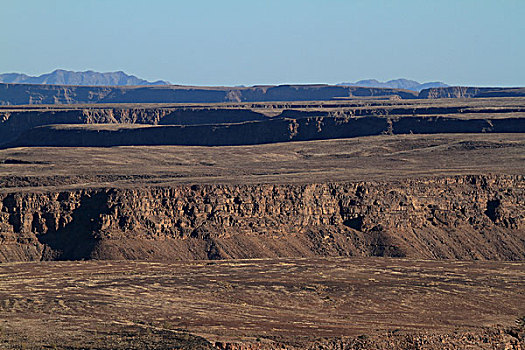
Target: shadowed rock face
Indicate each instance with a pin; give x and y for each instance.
(256, 132)
(465, 217)
(253, 123)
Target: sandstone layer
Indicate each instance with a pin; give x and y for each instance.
(462, 217)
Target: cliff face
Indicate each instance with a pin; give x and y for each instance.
(467, 217)
(13, 124)
(256, 132)
(325, 123)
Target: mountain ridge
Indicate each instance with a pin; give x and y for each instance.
(397, 84)
(85, 78)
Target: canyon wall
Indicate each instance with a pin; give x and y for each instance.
(463, 217)
(255, 132)
(325, 123)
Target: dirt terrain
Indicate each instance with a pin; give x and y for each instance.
(377, 158)
(263, 304)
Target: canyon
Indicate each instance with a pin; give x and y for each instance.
(242, 124)
(386, 222)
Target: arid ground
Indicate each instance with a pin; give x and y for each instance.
(293, 303)
(349, 224)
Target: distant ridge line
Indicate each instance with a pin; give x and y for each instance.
(27, 94)
(86, 78)
(397, 84)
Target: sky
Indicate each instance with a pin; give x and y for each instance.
(250, 42)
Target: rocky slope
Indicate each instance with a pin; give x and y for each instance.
(486, 339)
(464, 217)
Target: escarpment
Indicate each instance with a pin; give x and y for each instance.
(255, 132)
(462, 217)
(246, 124)
(250, 123)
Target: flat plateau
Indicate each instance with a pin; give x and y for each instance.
(379, 158)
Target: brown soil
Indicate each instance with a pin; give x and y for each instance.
(378, 158)
(314, 303)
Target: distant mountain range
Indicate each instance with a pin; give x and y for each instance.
(65, 77)
(397, 84)
(91, 78)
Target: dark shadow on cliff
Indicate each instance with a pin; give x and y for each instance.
(77, 239)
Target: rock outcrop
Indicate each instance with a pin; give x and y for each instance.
(464, 217)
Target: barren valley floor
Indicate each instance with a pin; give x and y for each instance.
(262, 304)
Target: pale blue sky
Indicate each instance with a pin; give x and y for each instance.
(231, 42)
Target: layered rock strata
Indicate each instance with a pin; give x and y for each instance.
(463, 217)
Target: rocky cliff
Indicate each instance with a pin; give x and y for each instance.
(337, 119)
(255, 132)
(464, 217)
(15, 122)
